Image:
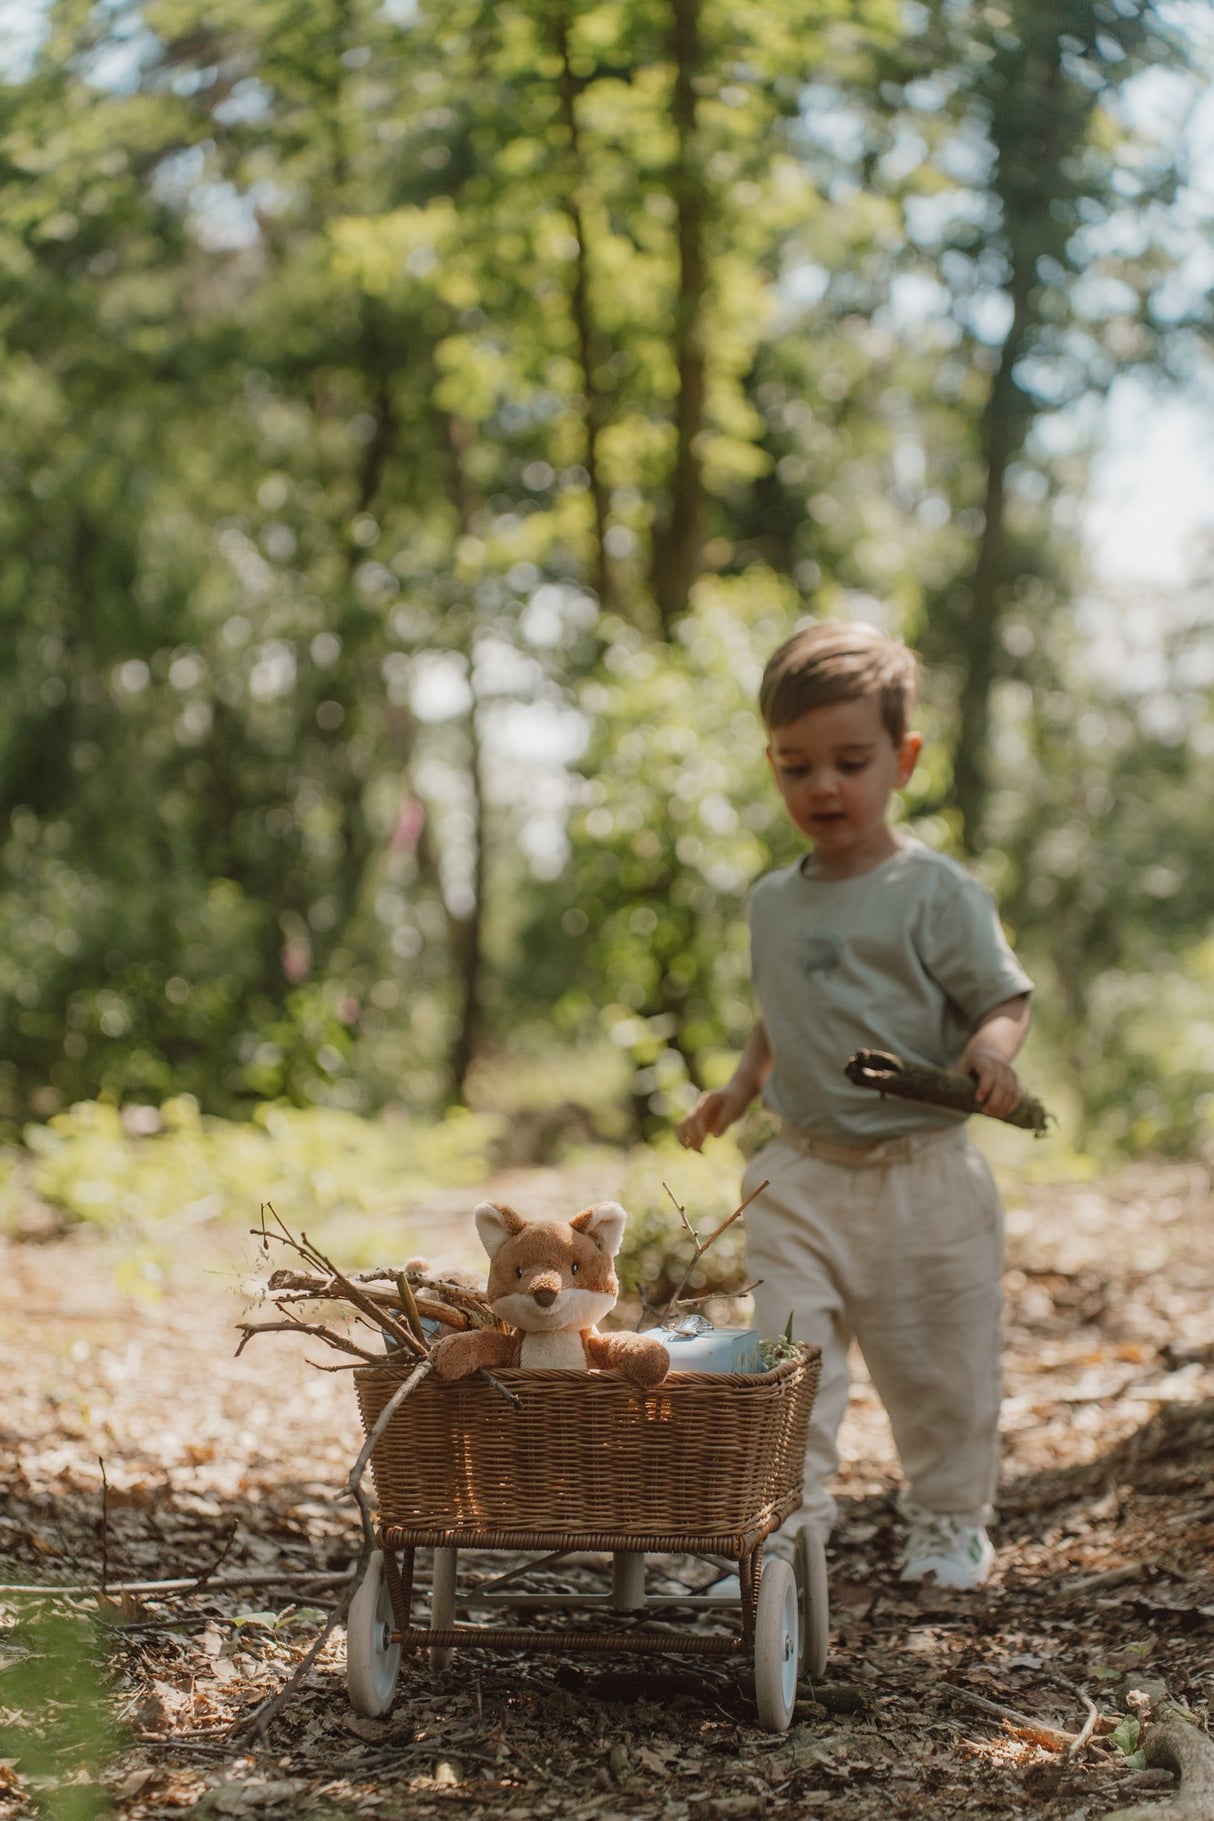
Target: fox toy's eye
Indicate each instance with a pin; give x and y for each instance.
(574, 1269)
(519, 1272)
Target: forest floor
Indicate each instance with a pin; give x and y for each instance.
(135, 1448)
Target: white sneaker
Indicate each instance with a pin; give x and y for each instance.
(953, 1553)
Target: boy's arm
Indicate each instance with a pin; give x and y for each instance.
(714, 1112)
(989, 1054)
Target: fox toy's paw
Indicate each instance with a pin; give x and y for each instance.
(638, 1357)
(459, 1355)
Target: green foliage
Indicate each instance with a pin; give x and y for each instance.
(60, 1734)
(319, 1168)
(421, 424)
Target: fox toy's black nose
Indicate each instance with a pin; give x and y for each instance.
(545, 1298)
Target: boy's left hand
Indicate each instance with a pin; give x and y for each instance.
(998, 1088)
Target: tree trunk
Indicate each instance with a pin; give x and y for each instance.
(678, 541)
(1027, 156)
(589, 352)
(467, 930)
(1002, 437)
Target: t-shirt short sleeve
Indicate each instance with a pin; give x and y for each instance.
(909, 957)
(960, 941)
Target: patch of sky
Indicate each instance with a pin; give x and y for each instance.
(1098, 296)
(438, 686)
(931, 221)
(223, 219)
(802, 287)
(118, 64)
(915, 298)
(905, 155)
(23, 30)
(248, 102)
(987, 314)
(828, 121)
(176, 175)
(544, 733)
(401, 12)
(1150, 510)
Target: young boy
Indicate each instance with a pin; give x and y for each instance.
(880, 1220)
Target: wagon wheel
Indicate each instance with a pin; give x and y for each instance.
(776, 1646)
(813, 1602)
(372, 1659)
(442, 1601)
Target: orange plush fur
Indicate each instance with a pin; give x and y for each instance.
(552, 1280)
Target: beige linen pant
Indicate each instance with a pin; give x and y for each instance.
(900, 1248)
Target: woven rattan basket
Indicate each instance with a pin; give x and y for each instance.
(704, 1454)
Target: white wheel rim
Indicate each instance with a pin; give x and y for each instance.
(788, 1644)
(776, 1631)
(372, 1658)
(813, 1600)
(385, 1655)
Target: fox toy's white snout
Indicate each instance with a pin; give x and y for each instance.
(548, 1308)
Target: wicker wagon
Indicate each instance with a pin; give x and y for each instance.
(705, 1464)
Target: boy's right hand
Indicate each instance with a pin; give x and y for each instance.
(713, 1113)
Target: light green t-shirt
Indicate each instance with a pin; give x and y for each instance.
(907, 957)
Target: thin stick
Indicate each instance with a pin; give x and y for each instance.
(682, 1213)
(258, 1721)
(265, 1711)
(208, 1574)
(255, 1577)
(105, 1525)
(438, 1311)
(515, 1402)
(365, 1303)
(408, 1303)
(701, 1246)
(1086, 1730)
(709, 1296)
(1055, 1733)
(293, 1325)
(419, 1372)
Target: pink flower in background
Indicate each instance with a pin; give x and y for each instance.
(409, 825)
(296, 960)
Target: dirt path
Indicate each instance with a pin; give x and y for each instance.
(114, 1366)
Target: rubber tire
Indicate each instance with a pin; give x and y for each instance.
(442, 1601)
(372, 1659)
(813, 1602)
(776, 1646)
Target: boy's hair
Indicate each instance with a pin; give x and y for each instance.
(839, 661)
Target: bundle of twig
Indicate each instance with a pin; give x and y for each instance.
(392, 1304)
(439, 1299)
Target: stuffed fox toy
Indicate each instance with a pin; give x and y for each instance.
(552, 1280)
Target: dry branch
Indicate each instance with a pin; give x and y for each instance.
(700, 1247)
(292, 1325)
(1057, 1739)
(937, 1087)
(286, 1287)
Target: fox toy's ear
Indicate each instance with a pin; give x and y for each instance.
(604, 1223)
(496, 1225)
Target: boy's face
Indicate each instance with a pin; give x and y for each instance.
(836, 769)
